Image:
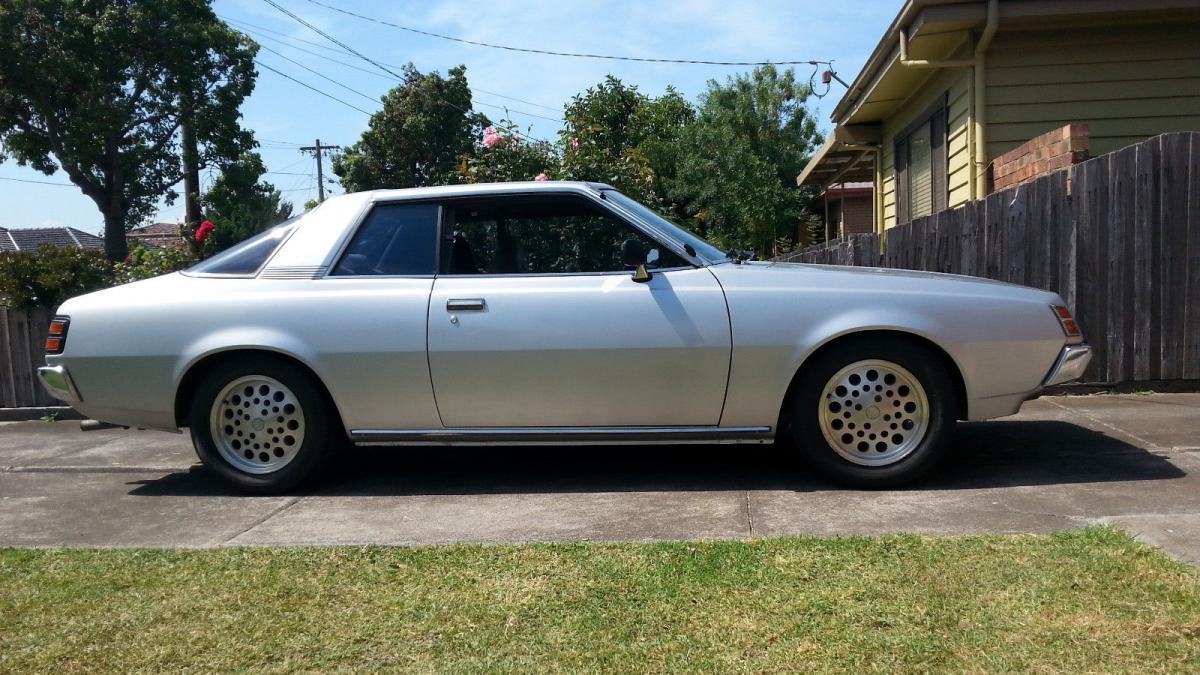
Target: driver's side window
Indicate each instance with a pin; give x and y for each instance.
(541, 234)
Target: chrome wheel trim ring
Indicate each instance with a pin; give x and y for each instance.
(257, 424)
(873, 412)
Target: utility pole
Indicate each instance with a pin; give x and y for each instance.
(317, 150)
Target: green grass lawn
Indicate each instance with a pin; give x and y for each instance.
(1091, 600)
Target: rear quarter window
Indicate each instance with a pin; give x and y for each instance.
(249, 256)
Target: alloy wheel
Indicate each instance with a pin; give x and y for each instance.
(873, 412)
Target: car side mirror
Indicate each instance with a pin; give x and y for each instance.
(633, 254)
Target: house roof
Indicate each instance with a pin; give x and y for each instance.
(936, 28)
(849, 189)
(156, 230)
(940, 30)
(156, 235)
(28, 239)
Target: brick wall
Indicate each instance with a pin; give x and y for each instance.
(1049, 152)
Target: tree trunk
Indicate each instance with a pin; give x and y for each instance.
(115, 247)
(191, 174)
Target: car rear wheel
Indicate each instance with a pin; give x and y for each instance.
(874, 413)
(261, 424)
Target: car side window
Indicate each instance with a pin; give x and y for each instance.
(393, 240)
(248, 256)
(543, 234)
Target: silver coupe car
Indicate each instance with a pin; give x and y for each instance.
(547, 313)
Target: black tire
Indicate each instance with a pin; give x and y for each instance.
(322, 432)
(922, 363)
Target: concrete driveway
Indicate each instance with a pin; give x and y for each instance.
(1064, 462)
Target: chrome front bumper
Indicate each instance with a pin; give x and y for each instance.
(1070, 365)
(57, 381)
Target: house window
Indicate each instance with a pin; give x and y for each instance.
(921, 166)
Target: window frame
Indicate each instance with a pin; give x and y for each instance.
(601, 203)
(936, 119)
(344, 245)
(596, 198)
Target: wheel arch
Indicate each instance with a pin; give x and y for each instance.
(866, 335)
(195, 371)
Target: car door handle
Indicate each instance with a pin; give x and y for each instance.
(465, 305)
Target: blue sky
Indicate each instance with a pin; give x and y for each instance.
(285, 115)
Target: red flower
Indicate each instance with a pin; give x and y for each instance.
(204, 230)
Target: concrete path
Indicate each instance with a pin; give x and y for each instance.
(1064, 462)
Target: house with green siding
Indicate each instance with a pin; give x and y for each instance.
(959, 97)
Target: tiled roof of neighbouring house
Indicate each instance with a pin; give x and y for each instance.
(157, 229)
(156, 234)
(29, 238)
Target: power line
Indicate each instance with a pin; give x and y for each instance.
(323, 77)
(296, 163)
(272, 140)
(318, 45)
(285, 43)
(332, 39)
(39, 182)
(369, 60)
(309, 86)
(545, 52)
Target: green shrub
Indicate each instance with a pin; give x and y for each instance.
(144, 263)
(49, 276)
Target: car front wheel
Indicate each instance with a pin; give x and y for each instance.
(261, 424)
(874, 413)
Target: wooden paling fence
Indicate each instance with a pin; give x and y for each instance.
(22, 336)
(1117, 236)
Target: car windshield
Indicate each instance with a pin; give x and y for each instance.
(705, 250)
(248, 256)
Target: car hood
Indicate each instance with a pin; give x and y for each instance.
(809, 276)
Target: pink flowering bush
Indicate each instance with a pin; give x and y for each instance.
(491, 137)
(503, 155)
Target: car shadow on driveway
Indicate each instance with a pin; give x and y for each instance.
(984, 455)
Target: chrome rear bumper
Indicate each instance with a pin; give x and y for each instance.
(1070, 365)
(57, 381)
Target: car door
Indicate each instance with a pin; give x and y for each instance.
(369, 318)
(534, 321)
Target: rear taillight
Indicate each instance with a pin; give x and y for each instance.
(1069, 325)
(56, 337)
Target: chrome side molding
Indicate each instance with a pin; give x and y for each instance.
(562, 436)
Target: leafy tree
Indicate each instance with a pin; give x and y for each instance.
(241, 205)
(738, 163)
(505, 155)
(48, 277)
(617, 135)
(419, 137)
(98, 88)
